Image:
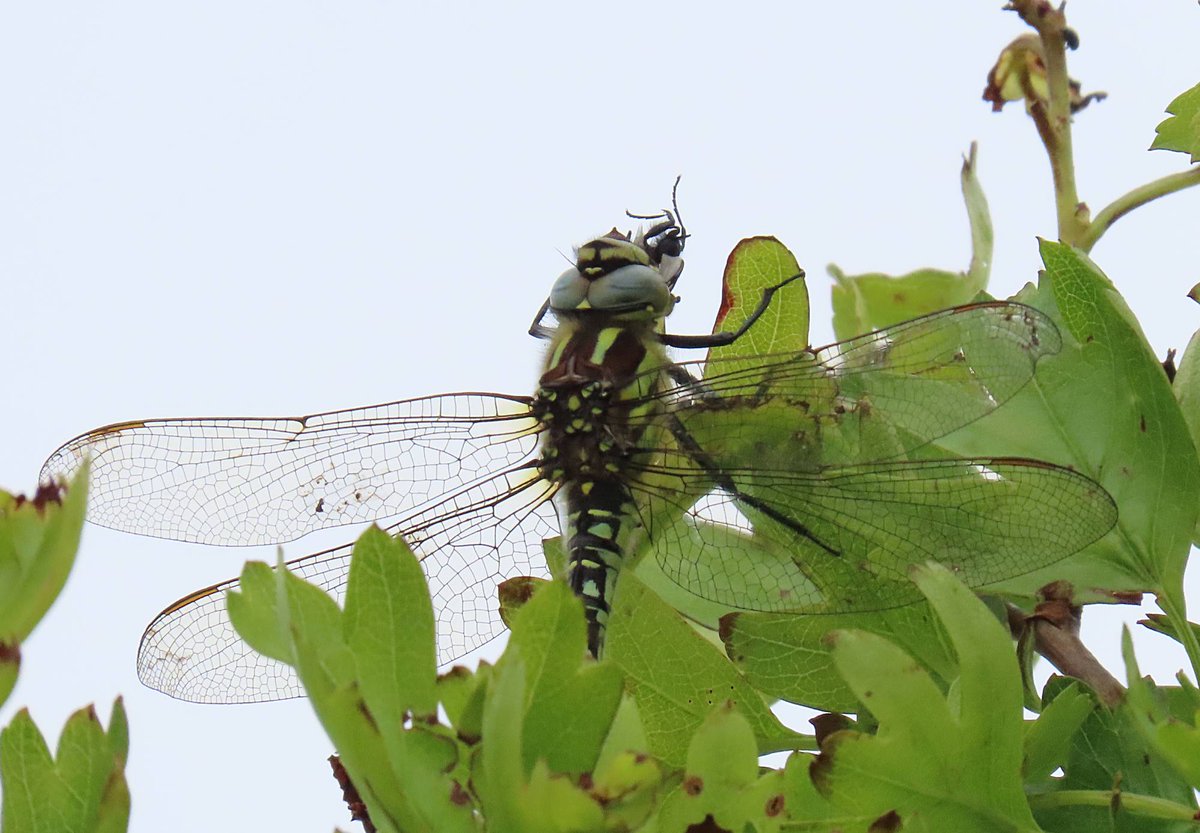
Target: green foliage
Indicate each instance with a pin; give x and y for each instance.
(721, 783)
(664, 735)
(1140, 449)
(1181, 132)
(1104, 407)
(80, 789)
(941, 763)
(38, 541)
(788, 656)
(1048, 739)
(549, 643)
(757, 264)
(371, 685)
(1168, 724)
(677, 677)
(862, 303)
(666, 731)
(1113, 778)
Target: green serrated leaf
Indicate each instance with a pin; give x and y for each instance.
(870, 301)
(1048, 739)
(628, 785)
(388, 624)
(1181, 132)
(454, 689)
(470, 720)
(38, 541)
(367, 677)
(256, 614)
(1159, 496)
(499, 770)
(873, 300)
(28, 783)
(723, 751)
(560, 805)
(400, 772)
(677, 677)
(755, 266)
(1177, 740)
(1114, 779)
(570, 704)
(787, 656)
(953, 763)
(722, 764)
(118, 731)
(808, 809)
(1103, 407)
(81, 789)
(556, 557)
(625, 735)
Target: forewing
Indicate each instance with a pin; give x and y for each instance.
(468, 544)
(876, 397)
(243, 481)
(844, 540)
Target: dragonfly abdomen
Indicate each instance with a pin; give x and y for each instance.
(595, 513)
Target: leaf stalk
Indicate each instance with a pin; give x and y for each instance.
(1139, 196)
(1139, 805)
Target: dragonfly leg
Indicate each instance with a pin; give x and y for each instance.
(723, 338)
(724, 482)
(537, 329)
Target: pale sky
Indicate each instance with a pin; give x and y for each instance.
(278, 208)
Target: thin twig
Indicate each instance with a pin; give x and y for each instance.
(1053, 118)
(1139, 196)
(1055, 623)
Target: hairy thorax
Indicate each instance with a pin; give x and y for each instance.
(595, 373)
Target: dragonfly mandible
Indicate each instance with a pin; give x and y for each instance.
(802, 482)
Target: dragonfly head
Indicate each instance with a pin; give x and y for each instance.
(616, 276)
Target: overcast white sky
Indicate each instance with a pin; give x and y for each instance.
(276, 208)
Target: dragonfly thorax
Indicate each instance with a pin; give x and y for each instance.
(595, 373)
(580, 442)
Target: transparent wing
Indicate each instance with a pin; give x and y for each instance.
(875, 397)
(242, 481)
(468, 542)
(844, 539)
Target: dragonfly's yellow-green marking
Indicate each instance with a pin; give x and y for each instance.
(803, 482)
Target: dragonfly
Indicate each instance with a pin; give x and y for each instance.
(805, 481)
